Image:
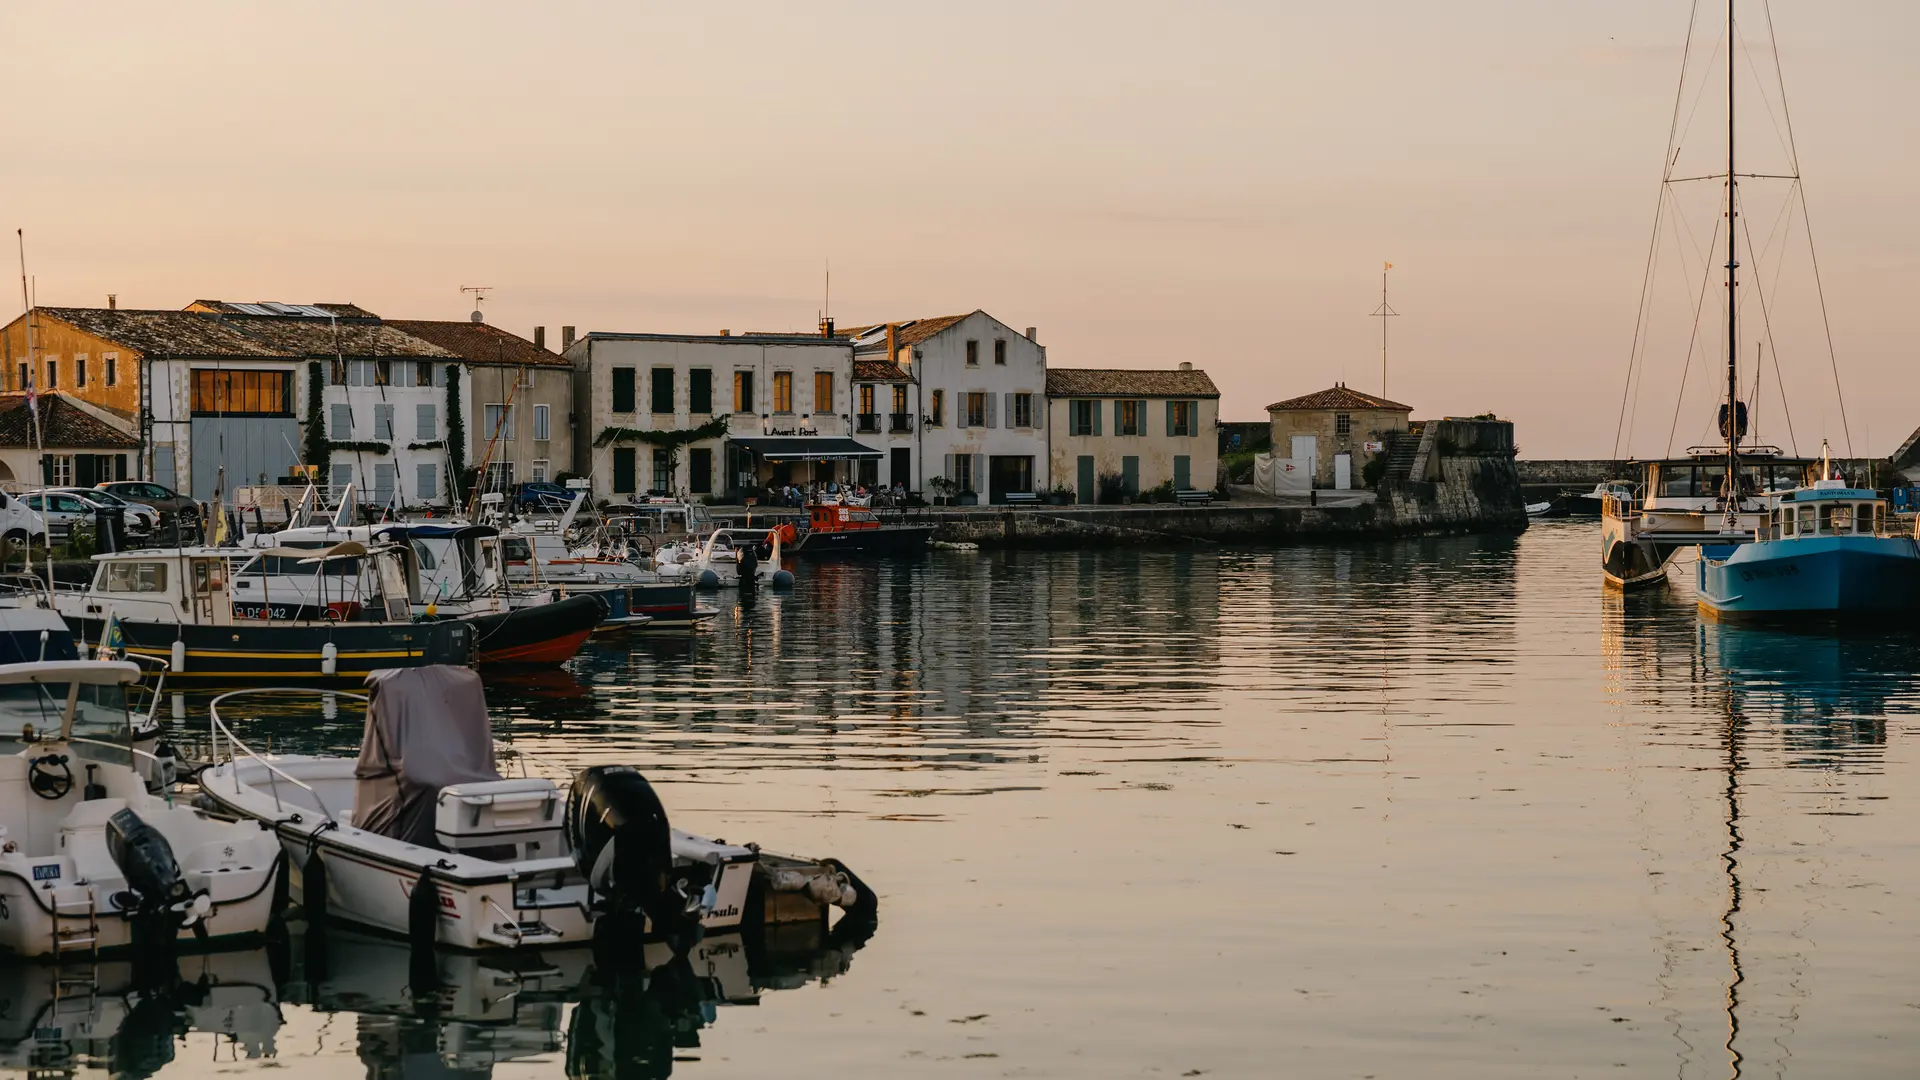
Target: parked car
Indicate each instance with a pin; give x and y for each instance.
(171, 504)
(542, 495)
(19, 522)
(61, 510)
(141, 519)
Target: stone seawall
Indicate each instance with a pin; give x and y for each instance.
(1471, 492)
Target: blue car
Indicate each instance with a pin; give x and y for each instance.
(542, 495)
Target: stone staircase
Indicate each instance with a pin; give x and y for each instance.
(1402, 446)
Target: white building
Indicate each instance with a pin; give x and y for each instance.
(982, 400)
(717, 416)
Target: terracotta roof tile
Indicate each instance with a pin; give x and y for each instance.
(159, 334)
(1337, 397)
(479, 343)
(63, 426)
(1129, 382)
(911, 332)
(878, 371)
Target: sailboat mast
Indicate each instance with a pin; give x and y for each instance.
(1732, 424)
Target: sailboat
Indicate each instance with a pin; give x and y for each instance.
(1717, 496)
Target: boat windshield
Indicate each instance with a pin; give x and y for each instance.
(1706, 480)
(33, 710)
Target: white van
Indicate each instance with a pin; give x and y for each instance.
(19, 522)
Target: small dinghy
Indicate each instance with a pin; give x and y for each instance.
(421, 834)
(90, 859)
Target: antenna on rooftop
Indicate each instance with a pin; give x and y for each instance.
(479, 295)
(1383, 313)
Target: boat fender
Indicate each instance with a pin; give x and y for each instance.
(179, 655)
(709, 579)
(313, 887)
(329, 658)
(783, 579)
(423, 911)
(856, 897)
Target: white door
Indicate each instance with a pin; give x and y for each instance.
(1342, 471)
(1306, 454)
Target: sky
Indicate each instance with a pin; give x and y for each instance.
(1145, 183)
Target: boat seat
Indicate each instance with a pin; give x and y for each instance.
(83, 838)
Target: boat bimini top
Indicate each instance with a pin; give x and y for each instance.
(72, 674)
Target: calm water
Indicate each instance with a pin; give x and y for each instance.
(1433, 808)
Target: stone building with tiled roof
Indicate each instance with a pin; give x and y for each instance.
(1340, 429)
(976, 390)
(219, 393)
(75, 446)
(1116, 432)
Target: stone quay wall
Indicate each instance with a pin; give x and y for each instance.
(1474, 487)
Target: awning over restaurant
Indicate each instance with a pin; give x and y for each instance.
(805, 448)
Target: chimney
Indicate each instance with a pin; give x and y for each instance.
(726, 333)
(1031, 332)
(113, 301)
(826, 326)
(566, 338)
(893, 344)
(1186, 365)
(539, 337)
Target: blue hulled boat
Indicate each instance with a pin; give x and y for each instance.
(1829, 551)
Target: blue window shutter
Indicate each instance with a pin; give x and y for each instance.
(426, 422)
(1170, 429)
(1094, 408)
(946, 466)
(342, 423)
(426, 482)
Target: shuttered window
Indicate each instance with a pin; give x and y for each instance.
(426, 422)
(426, 482)
(700, 391)
(623, 470)
(342, 423)
(661, 400)
(623, 389)
(383, 421)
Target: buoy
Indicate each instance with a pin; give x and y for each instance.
(179, 655)
(433, 609)
(783, 579)
(709, 579)
(329, 658)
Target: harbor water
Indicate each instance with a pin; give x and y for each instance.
(1425, 808)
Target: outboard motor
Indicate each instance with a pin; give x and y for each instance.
(748, 560)
(157, 894)
(622, 843)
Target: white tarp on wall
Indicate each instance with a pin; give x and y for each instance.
(1274, 476)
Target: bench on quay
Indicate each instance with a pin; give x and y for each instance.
(1020, 498)
(1193, 498)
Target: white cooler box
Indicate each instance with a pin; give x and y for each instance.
(523, 814)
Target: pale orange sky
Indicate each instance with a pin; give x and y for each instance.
(1146, 183)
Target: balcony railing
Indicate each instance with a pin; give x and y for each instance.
(898, 422)
(867, 423)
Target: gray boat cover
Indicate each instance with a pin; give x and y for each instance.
(427, 729)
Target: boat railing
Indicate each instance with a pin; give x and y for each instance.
(217, 729)
(1615, 504)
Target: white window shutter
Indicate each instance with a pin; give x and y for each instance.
(946, 465)
(993, 409)
(1010, 416)
(980, 473)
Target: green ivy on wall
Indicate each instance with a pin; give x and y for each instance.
(456, 432)
(316, 441)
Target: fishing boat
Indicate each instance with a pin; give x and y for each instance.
(93, 859)
(724, 558)
(1828, 552)
(538, 555)
(1721, 495)
(838, 528)
(421, 834)
(180, 606)
(450, 570)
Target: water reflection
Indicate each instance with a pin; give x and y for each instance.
(462, 1014)
(126, 1018)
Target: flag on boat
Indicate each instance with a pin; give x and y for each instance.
(112, 641)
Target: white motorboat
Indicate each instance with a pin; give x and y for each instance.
(422, 835)
(723, 557)
(90, 859)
